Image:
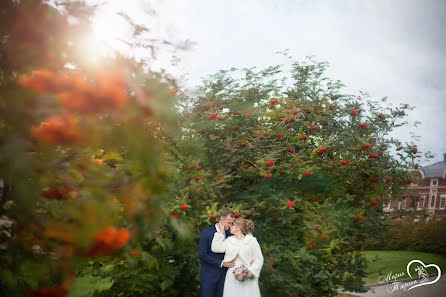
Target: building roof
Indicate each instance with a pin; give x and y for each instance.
(435, 170)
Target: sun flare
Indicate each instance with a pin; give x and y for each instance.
(108, 29)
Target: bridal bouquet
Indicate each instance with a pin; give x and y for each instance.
(242, 273)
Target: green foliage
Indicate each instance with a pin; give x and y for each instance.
(407, 235)
(88, 285)
(234, 129)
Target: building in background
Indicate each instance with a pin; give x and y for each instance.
(429, 188)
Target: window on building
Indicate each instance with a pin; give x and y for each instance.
(443, 202)
(402, 204)
(421, 203)
(434, 182)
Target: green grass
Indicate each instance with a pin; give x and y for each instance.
(383, 262)
(343, 295)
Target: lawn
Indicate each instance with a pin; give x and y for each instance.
(383, 262)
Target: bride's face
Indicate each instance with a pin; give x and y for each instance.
(235, 229)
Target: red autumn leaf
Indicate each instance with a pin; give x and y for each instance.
(366, 146)
(136, 253)
(311, 245)
(321, 150)
(60, 291)
(363, 126)
(58, 193)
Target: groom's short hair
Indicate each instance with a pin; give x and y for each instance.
(226, 213)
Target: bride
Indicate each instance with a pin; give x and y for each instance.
(243, 249)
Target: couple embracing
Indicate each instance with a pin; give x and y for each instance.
(223, 249)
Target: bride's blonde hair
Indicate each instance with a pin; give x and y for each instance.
(247, 226)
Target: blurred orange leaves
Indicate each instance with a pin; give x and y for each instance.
(45, 81)
(105, 92)
(108, 241)
(60, 130)
(58, 193)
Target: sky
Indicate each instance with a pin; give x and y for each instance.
(393, 48)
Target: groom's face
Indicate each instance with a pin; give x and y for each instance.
(227, 222)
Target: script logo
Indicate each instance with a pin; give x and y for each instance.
(423, 274)
(423, 277)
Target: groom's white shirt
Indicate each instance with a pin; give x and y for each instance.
(218, 231)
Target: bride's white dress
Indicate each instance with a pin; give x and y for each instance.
(246, 252)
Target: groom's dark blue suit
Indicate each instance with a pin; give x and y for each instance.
(212, 274)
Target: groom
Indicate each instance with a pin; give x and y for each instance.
(213, 269)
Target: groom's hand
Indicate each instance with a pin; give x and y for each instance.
(221, 226)
(228, 264)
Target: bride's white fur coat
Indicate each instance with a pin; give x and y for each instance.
(248, 249)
